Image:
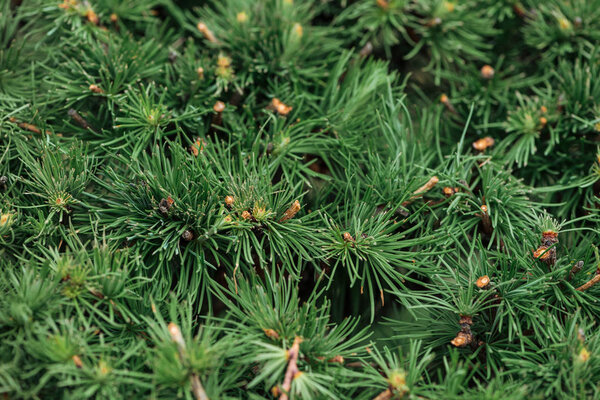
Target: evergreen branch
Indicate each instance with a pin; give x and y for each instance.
(292, 371)
(176, 336)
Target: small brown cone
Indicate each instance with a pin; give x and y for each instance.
(487, 72)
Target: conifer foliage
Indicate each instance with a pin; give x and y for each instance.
(299, 199)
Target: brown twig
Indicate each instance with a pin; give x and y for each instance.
(236, 97)
(292, 371)
(485, 220)
(207, 33)
(576, 268)
(589, 283)
(360, 364)
(423, 189)
(79, 119)
(385, 395)
(291, 211)
(77, 361)
(446, 102)
(271, 333)
(177, 337)
(29, 127)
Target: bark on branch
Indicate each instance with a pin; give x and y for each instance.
(177, 337)
(292, 371)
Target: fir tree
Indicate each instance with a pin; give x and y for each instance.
(355, 199)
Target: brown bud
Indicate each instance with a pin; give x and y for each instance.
(241, 17)
(348, 237)
(483, 282)
(487, 72)
(433, 22)
(337, 359)
(462, 339)
(584, 355)
(219, 107)
(197, 147)
(187, 235)
(223, 61)
(280, 107)
(246, 215)
(298, 30)
(543, 109)
(449, 191)
(366, 50)
(271, 334)
(549, 237)
(92, 16)
(483, 143)
(547, 251)
(542, 253)
(446, 101)
(96, 89)
(283, 109)
(165, 205)
(176, 335)
(383, 4)
(229, 201)
(581, 335)
(77, 361)
(113, 17)
(564, 24)
(543, 121)
(274, 103)
(275, 391)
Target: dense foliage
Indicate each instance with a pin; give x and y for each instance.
(303, 199)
